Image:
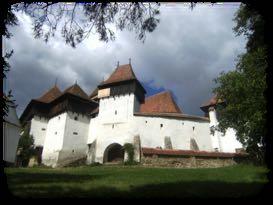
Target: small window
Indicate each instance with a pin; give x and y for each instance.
(193, 128)
(113, 126)
(59, 118)
(55, 133)
(146, 121)
(76, 118)
(73, 150)
(182, 123)
(161, 125)
(75, 133)
(116, 112)
(43, 129)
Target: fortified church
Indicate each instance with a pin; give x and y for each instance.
(72, 125)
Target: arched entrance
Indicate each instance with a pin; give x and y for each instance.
(113, 153)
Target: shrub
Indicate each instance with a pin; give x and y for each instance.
(26, 148)
(129, 149)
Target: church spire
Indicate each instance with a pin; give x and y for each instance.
(56, 80)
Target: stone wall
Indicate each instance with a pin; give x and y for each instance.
(186, 162)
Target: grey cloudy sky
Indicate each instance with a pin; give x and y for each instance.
(188, 49)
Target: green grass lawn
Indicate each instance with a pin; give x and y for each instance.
(137, 181)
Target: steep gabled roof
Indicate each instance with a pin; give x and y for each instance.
(160, 103)
(122, 73)
(50, 95)
(76, 90)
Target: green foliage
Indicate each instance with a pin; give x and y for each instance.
(243, 89)
(129, 149)
(26, 148)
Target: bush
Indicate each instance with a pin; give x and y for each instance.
(26, 148)
(129, 149)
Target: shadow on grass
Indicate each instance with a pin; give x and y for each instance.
(196, 189)
(33, 178)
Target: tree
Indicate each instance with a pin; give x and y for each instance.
(26, 148)
(78, 20)
(243, 89)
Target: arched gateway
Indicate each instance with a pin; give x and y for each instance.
(113, 153)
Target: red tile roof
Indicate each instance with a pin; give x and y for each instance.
(122, 73)
(76, 90)
(160, 103)
(175, 152)
(50, 95)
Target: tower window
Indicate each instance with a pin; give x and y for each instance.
(161, 125)
(43, 129)
(59, 118)
(113, 126)
(55, 133)
(193, 128)
(75, 133)
(182, 123)
(116, 112)
(76, 118)
(146, 121)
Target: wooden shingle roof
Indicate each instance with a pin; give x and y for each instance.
(76, 90)
(50, 95)
(160, 103)
(122, 73)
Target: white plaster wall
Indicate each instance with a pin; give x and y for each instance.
(54, 139)
(179, 130)
(36, 130)
(223, 142)
(106, 134)
(75, 137)
(122, 104)
(11, 136)
(151, 135)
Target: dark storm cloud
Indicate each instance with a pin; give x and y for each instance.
(184, 54)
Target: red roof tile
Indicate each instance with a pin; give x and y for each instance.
(176, 152)
(160, 103)
(50, 95)
(122, 73)
(76, 90)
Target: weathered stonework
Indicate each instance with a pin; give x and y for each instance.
(186, 162)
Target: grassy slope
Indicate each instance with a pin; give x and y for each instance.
(120, 181)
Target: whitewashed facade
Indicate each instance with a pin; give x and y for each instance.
(69, 136)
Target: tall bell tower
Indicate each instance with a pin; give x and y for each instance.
(120, 95)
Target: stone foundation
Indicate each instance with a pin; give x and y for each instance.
(186, 162)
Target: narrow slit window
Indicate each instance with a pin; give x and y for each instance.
(116, 112)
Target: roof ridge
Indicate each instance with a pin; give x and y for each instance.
(161, 92)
